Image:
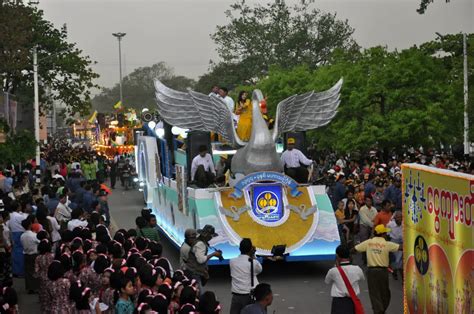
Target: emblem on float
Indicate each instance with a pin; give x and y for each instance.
(267, 204)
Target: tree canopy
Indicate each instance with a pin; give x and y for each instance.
(389, 99)
(138, 89)
(274, 34)
(65, 74)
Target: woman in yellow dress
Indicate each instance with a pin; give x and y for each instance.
(244, 111)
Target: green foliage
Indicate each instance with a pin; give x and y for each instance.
(138, 89)
(270, 34)
(389, 99)
(65, 75)
(18, 148)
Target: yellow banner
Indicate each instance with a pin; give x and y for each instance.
(93, 117)
(438, 251)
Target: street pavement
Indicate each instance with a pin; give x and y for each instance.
(298, 287)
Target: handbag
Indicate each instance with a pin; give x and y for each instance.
(358, 308)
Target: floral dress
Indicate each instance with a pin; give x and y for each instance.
(59, 295)
(41, 271)
(90, 279)
(107, 297)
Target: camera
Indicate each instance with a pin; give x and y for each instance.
(221, 258)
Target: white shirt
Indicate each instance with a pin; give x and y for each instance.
(63, 212)
(30, 242)
(240, 273)
(367, 215)
(205, 161)
(293, 158)
(199, 249)
(15, 222)
(55, 227)
(354, 274)
(58, 176)
(74, 223)
(396, 234)
(6, 235)
(230, 103)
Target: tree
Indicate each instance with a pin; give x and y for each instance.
(276, 34)
(389, 100)
(65, 74)
(424, 5)
(138, 88)
(18, 148)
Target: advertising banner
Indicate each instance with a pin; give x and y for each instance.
(438, 251)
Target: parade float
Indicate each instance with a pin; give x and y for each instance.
(284, 219)
(110, 134)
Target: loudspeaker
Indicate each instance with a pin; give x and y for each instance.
(300, 140)
(101, 120)
(194, 140)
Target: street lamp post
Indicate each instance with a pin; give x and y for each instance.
(119, 37)
(36, 105)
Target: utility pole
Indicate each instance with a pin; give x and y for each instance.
(36, 106)
(466, 117)
(119, 37)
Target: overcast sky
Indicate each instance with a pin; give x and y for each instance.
(177, 31)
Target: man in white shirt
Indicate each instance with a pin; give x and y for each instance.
(63, 211)
(396, 235)
(341, 300)
(202, 168)
(76, 220)
(224, 93)
(240, 271)
(30, 251)
(295, 162)
(214, 91)
(367, 214)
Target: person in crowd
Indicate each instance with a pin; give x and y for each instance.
(295, 162)
(244, 112)
(385, 215)
(58, 289)
(199, 256)
(377, 250)
(396, 235)
(367, 215)
(208, 304)
(124, 303)
(63, 211)
(16, 230)
(190, 236)
(30, 243)
(341, 300)
(378, 195)
(144, 229)
(243, 270)
(42, 262)
(104, 205)
(263, 299)
(77, 219)
(127, 174)
(5, 249)
(202, 168)
(339, 189)
(394, 194)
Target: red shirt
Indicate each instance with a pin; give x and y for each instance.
(382, 218)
